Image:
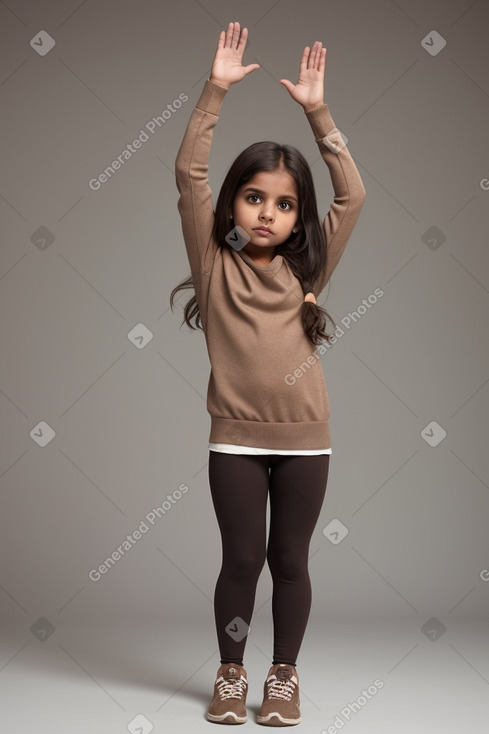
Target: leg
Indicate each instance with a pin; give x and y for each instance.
(239, 488)
(297, 490)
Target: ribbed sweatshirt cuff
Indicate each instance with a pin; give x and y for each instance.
(211, 98)
(320, 121)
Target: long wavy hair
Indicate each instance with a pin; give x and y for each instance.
(305, 250)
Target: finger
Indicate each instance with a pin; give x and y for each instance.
(251, 67)
(319, 54)
(312, 56)
(316, 49)
(322, 61)
(303, 64)
(229, 34)
(220, 43)
(242, 40)
(287, 84)
(235, 35)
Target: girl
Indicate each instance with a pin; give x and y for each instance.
(257, 264)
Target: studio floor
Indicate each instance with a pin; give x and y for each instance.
(380, 678)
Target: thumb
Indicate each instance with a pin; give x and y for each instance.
(288, 85)
(251, 67)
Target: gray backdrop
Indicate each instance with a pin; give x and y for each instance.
(103, 395)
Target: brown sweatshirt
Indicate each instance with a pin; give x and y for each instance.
(266, 387)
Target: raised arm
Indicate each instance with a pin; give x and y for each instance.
(349, 191)
(192, 161)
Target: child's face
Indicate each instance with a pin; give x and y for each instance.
(269, 199)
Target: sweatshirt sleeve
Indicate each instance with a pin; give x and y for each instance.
(349, 191)
(191, 174)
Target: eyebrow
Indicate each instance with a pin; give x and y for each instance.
(259, 191)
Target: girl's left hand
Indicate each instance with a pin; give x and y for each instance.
(309, 90)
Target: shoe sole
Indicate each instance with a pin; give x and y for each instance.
(228, 718)
(275, 719)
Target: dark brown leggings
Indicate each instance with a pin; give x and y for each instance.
(240, 484)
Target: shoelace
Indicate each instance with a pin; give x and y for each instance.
(229, 688)
(279, 688)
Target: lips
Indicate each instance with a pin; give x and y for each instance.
(263, 229)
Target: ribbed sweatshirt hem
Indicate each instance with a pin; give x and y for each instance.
(306, 435)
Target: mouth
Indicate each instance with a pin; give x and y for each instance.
(263, 230)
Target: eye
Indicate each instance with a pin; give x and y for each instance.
(251, 196)
(287, 204)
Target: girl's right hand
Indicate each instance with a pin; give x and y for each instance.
(227, 68)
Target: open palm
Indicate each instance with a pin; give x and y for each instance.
(227, 66)
(309, 90)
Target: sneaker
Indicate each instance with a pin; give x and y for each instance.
(280, 705)
(230, 690)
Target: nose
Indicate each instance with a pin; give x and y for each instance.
(266, 213)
